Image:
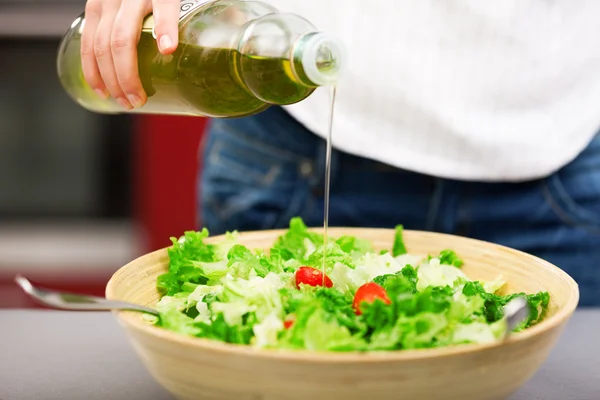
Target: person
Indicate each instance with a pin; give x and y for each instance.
(472, 118)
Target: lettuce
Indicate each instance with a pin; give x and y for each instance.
(225, 291)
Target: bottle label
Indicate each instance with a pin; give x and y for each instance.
(186, 7)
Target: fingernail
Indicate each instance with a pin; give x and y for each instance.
(165, 42)
(124, 103)
(136, 101)
(103, 94)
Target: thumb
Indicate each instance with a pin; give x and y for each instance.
(166, 24)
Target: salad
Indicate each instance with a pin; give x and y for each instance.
(365, 301)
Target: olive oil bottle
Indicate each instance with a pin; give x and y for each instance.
(235, 58)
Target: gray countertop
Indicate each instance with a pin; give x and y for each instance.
(53, 355)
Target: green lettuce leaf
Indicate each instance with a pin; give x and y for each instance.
(399, 248)
(295, 243)
(228, 292)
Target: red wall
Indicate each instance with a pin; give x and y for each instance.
(165, 175)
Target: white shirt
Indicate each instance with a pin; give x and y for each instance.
(466, 89)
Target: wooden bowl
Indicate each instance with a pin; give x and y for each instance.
(193, 368)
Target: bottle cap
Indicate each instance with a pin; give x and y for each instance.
(323, 58)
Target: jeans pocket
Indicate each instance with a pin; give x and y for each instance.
(574, 191)
(248, 184)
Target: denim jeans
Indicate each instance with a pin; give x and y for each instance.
(260, 171)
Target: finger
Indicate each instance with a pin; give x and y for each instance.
(166, 24)
(89, 66)
(110, 8)
(124, 39)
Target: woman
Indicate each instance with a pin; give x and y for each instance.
(467, 117)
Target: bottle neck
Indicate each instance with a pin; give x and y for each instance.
(279, 66)
(318, 59)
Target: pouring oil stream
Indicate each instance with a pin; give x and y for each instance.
(328, 177)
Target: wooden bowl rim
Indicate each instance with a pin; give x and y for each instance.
(133, 320)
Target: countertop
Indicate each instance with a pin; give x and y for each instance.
(54, 355)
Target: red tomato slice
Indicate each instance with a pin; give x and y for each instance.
(368, 293)
(289, 321)
(312, 277)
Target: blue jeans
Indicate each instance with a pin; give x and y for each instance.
(260, 171)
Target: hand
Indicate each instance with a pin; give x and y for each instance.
(109, 45)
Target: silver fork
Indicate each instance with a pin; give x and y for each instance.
(77, 302)
(515, 311)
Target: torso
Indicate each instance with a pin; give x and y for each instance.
(461, 89)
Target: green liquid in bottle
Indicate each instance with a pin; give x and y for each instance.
(207, 81)
(216, 82)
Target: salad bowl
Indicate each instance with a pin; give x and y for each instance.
(197, 368)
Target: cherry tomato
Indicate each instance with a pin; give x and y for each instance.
(287, 324)
(312, 277)
(368, 293)
(289, 321)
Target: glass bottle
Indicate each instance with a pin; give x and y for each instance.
(234, 58)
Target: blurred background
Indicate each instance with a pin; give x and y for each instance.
(81, 194)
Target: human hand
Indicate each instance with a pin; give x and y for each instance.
(109, 41)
